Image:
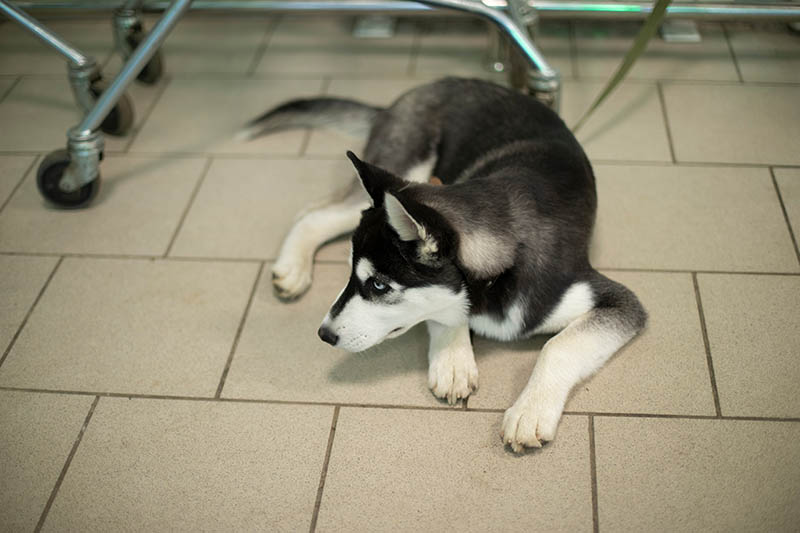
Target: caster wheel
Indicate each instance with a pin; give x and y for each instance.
(120, 120)
(154, 68)
(49, 175)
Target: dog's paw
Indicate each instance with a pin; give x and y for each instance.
(453, 376)
(291, 278)
(531, 422)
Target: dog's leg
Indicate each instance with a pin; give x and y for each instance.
(452, 373)
(568, 358)
(291, 273)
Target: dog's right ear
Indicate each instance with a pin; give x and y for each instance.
(375, 180)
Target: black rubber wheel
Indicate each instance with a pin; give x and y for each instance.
(120, 120)
(154, 68)
(51, 169)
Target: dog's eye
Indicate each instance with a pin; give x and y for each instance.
(377, 286)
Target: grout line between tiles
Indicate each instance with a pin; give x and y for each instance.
(320, 157)
(63, 473)
(416, 45)
(239, 332)
(20, 182)
(785, 213)
(262, 47)
(593, 474)
(189, 205)
(687, 271)
(324, 474)
(30, 312)
(422, 77)
(144, 257)
(709, 360)
(573, 50)
(325, 84)
(442, 408)
(663, 103)
(147, 112)
(222, 259)
(732, 52)
(10, 88)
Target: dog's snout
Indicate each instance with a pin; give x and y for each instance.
(328, 336)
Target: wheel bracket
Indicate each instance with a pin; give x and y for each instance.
(85, 153)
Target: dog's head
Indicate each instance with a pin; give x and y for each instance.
(403, 268)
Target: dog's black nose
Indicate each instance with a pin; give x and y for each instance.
(328, 336)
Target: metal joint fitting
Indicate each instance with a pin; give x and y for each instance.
(81, 78)
(546, 88)
(85, 150)
(126, 22)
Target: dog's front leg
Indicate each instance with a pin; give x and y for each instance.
(452, 373)
(567, 359)
(291, 274)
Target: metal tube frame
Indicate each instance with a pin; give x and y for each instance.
(132, 67)
(47, 36)
(85, 143)
(574, 9)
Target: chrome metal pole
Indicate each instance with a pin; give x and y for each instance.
(505, 24)
(132, 67)
(47, 36)
(573, 9)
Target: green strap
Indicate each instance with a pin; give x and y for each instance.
(651, 24)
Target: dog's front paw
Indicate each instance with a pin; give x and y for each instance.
(531, 422)
(291, 278)
(453, 377)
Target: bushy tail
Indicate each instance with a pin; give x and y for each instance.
(348, 116)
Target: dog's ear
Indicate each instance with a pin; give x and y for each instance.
(401, 221)
(375, 180)
(420, 227)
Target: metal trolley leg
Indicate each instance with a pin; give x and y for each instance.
(129, 34)
(543, 81)
(71, 178)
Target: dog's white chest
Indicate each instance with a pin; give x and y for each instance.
(507, 328)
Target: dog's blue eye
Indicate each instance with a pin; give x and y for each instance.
(378, 286)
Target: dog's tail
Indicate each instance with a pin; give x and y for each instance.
(348, 116)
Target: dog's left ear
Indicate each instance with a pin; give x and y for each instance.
(430, 236)
(375, 180)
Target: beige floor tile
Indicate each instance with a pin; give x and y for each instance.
(136, 326)
(752, 331)
(628, 126)
(39, 431)
(206, 44)
(280, 357)
(662, 371)
(766, 52)
(324, 45)
(245, 207)
(426, 470)
(462, 47)
(202, 115)
(20, 283)
(602, 46)
(22, 53)
(697, 475)
(41, 111)
(696, 218)
(12, 170)
(375, 92)
(789, 184)
(734, 123)
(154, 465)
(137, 211)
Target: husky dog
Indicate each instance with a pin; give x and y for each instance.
(500, 249)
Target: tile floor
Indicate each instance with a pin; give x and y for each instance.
(150, 381)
